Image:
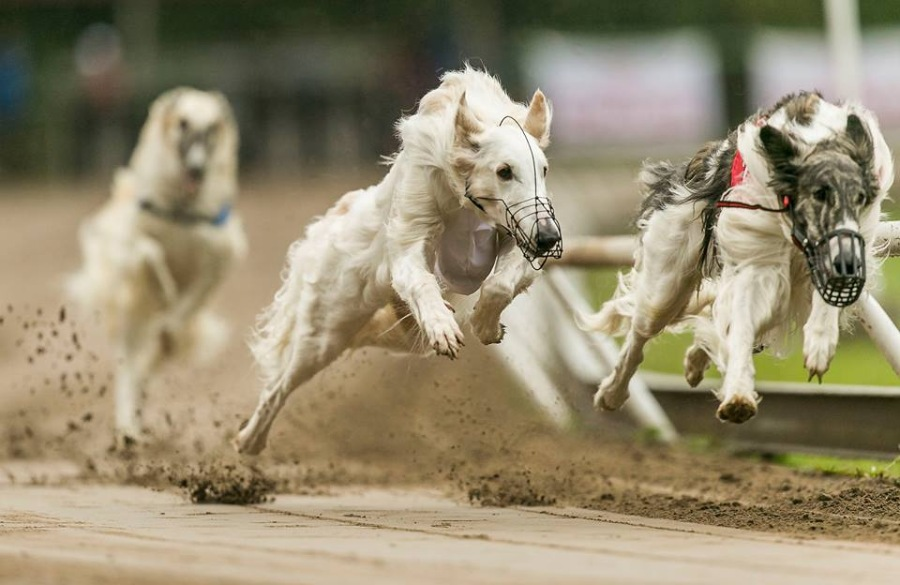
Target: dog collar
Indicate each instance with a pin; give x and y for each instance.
(184, 217)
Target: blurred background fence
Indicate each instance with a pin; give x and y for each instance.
(318, 85)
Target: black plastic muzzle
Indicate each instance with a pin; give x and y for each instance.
(839, 277)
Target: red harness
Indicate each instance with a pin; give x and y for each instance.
(738, 175)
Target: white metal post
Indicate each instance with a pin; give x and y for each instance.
(642, 405)
(881, 329)
(842, 17)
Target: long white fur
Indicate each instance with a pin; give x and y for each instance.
(763, 291)
(363, 273)
(150, 279)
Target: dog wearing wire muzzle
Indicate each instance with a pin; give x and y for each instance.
(764, 232)
(463, 209)
(161, 245)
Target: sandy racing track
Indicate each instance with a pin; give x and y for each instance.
(384, 469)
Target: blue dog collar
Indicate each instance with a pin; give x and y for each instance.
(185, 217)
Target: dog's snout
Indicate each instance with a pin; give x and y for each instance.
(847, 262)
(846, 253)
(196, 172)
(195, 159)
(547, 235)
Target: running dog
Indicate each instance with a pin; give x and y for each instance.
(466, 189)
(159, 247)
(758, 233)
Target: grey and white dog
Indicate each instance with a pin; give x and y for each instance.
(757, 234)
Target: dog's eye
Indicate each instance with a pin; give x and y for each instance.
(862, 198)
(505, 173)
(821, 194)
(183, 124)
(212, 132)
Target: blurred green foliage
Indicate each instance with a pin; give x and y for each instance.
(857, 361)
(839, 465)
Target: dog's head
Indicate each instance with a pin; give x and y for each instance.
(196, 129)
(828, 185)
(505, 170)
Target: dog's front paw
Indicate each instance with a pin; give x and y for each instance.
(738, 409)
(817, 354)
(487, 332)
(443, 333)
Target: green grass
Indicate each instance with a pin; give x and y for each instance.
(856, 362)
(840, 465)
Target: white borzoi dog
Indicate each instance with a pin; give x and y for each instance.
(759, 233)
(465, 191)
(161, 245)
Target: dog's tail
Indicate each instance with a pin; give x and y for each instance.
(657, 182)
(271, 338)
(614, 317)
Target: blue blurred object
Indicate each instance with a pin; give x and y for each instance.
(14, 84)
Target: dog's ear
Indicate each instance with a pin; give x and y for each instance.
(780, 152)
(862, 149)
(224, 104)
(777, 146)
(467, 125)
(229, 122)
(160, 117)
(537, 121)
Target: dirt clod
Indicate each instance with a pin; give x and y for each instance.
(508, 489)
(226, 484)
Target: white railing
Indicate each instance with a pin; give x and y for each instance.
(617, 251)
(546, 351)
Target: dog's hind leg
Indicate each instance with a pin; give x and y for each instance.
(313, 319)
(746, 309)
(664, 280)
(699, 355)
(696, 362)
(312, 347)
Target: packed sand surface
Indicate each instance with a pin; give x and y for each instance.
(373, 421)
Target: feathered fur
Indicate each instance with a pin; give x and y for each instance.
(152, 256)
(734, 275)
(363, 274)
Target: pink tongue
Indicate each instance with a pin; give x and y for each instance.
(191, 186)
